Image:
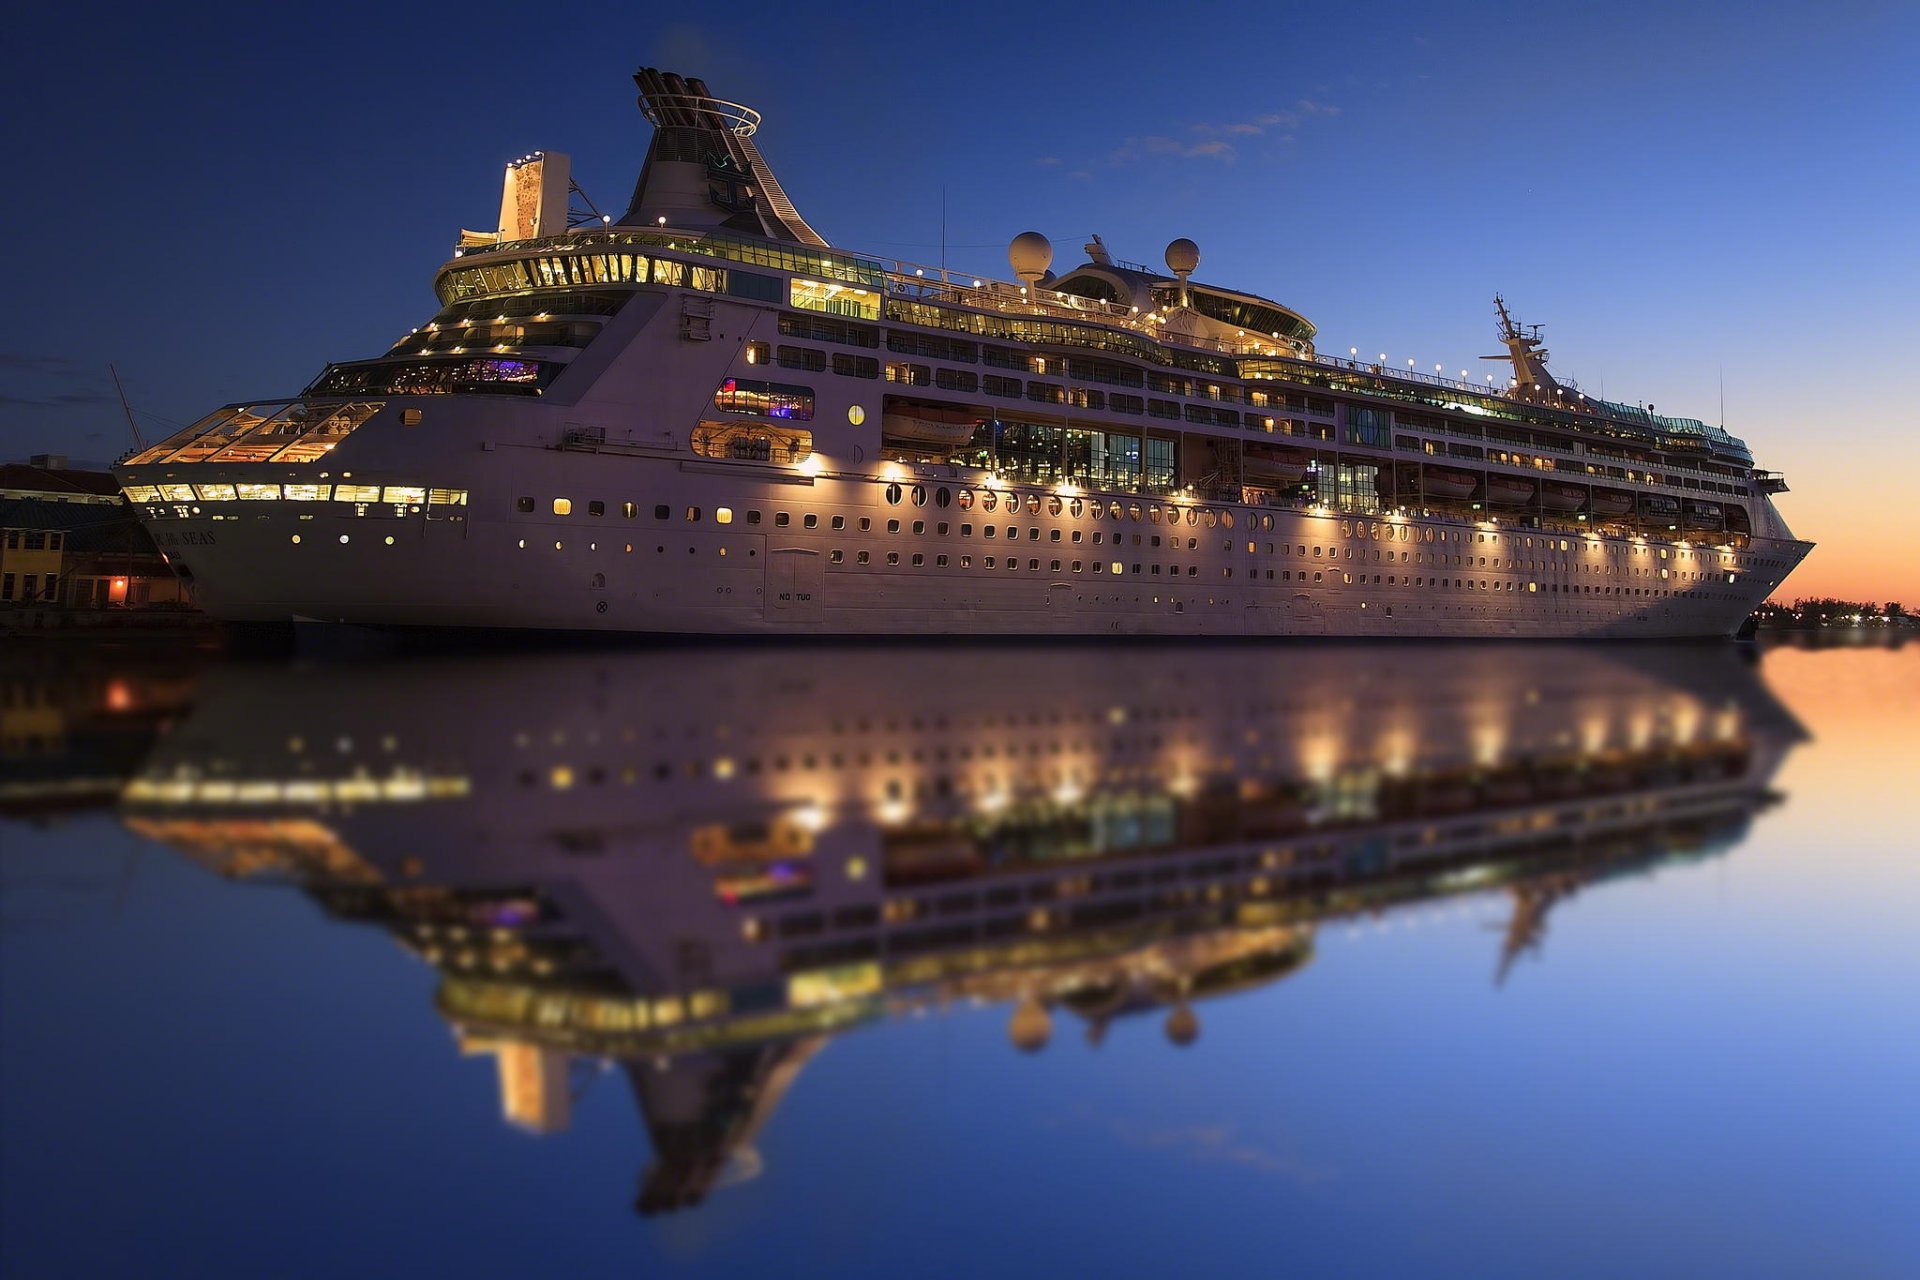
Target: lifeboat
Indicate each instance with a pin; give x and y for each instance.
(1658, 506)
(1445, 482)
(1274, 464)
(927, 424)
(1509, 491)
(1705, 515)
(1556, 495)
(1611, 502)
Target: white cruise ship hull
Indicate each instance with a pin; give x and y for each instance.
(1309, 574)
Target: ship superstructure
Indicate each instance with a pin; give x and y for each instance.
(701, 417)
(701, 867)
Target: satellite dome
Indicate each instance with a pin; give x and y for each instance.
(1031, 1026)
(1030, 254)
(1183, 255)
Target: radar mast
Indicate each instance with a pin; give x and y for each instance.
(1526, 353)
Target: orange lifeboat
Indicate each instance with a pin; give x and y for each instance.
(929, 424)
(1611, 502)
(1445, 482)
(1509, 491)
(1556, 495)
(1269, 464)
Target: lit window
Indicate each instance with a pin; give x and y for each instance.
(563, 506)
(723, 515)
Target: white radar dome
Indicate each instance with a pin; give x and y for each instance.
(1030, 254)
(1183, 255)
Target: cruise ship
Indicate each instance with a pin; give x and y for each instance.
(699, 417)
(698, 873)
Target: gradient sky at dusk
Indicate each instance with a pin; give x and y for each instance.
(221, 202)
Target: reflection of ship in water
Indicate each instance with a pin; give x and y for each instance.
(74, 727)
(701, 865)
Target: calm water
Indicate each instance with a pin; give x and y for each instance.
(1370, 960)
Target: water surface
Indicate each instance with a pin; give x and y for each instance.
(1368, 959)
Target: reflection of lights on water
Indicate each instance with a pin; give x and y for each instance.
(1396, 751)
(1639, 730)
(1488, 741)
(1319, 753)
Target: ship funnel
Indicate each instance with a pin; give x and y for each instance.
(533, 200)
(702, 170)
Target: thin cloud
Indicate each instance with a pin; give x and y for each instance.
(1217, 140)
(62, 400)
(1207, 1144)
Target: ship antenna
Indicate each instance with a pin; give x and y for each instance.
(126, 408)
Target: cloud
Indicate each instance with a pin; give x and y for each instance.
(1210, 1144)
(48, 382)
(1219, 140)
(1162, 147)
(1048, 162)
(62, 400)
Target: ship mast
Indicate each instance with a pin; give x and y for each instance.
(1526, 354)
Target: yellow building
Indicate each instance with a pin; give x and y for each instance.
(30, 558)
(68, 538)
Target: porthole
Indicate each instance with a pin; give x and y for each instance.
(296, 539)
(1055, 505)
(965, 500)
(989, 500)
(343, 538)
(389, 539)
(1033, 504)
(1226, 518)
(943, 497)
(893, 494)
(1075, 507)
(857, 414)
(1133, 511)
(919, 495)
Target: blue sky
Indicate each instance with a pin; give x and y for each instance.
(221, 203)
